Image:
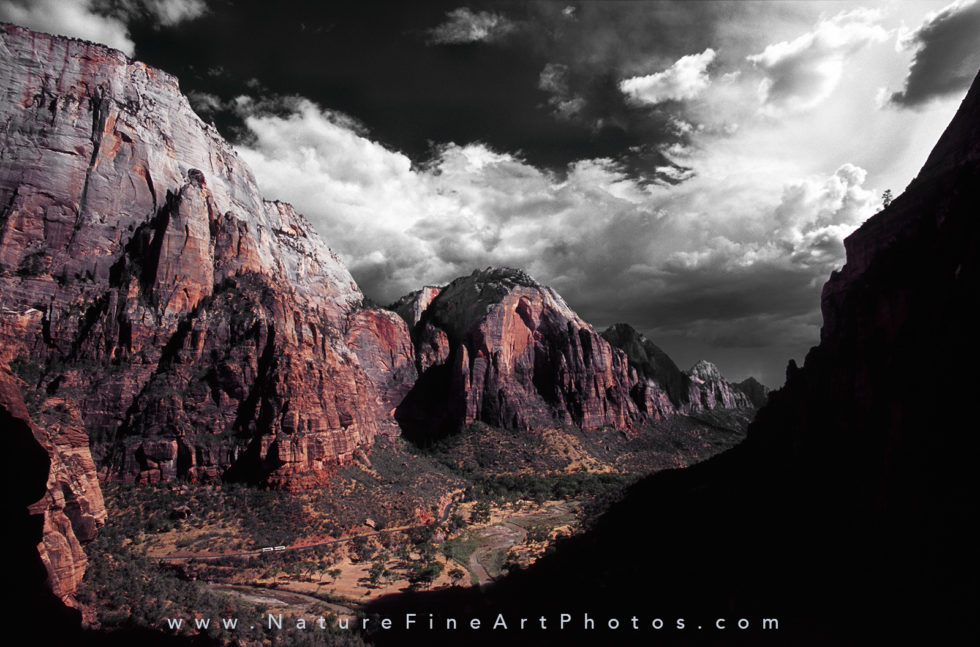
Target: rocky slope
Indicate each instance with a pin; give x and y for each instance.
(849, 513)
(25, 470)
(189, 327)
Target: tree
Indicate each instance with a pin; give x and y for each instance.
(457, 575)
(425, 575)
(886, 198)
(455, 522)
(377, 572)
(481, 512)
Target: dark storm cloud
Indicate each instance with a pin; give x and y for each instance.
(424, 74)
(947, 55)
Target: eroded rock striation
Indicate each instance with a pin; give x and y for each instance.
(187, 326)
(498, 347)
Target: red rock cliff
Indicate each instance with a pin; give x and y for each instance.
(515, 356)
(71, 507)
(189, 328)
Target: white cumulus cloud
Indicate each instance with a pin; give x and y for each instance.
(74, 18)
(802, 73)
(92, 21)
(732, 244)
(685, 79)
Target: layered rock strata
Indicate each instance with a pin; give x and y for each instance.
(191, 328)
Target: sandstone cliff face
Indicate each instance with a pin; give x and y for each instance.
(71, 506)
(661, 386)
(383, 346)
(189, 327)
(518, 357)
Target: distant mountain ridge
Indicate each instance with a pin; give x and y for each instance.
(498, 347)
(701, 387)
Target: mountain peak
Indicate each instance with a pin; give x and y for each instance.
(506, 276)
(705, 371)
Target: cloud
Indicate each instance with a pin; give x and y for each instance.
(74, 18)
(466, 26)
(947, 54)
(685, 79)
(205, 104)
(97, 21)
(554, 80)
(163, 12)
(802, 73)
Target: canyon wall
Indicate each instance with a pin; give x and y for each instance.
(187, 326)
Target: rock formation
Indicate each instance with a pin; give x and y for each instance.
(757, 392)
(24, 470)
(498, 347)
(709, 390)
(71, 506)
(661, 386)
(187, 326)
(698, 389)
(191, 329)
(411, 306)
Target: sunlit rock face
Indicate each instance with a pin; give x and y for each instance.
(498, 347)
(709, 390)
(191, 328)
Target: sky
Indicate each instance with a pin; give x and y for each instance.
(690, 168)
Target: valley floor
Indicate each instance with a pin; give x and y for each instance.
(460, 512)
